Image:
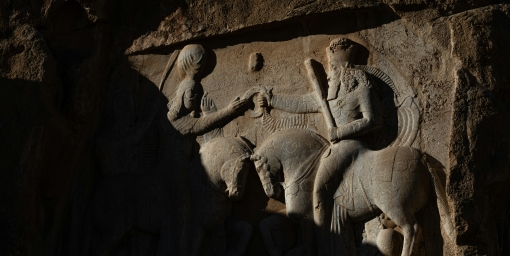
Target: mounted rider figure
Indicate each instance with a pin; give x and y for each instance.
(355, 107)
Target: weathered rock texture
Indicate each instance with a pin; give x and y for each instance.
(68, 68)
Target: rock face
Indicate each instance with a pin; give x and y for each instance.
(254, 127)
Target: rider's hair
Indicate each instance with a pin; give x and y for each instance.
(342, 44)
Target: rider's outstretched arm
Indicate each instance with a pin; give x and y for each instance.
(298, 104)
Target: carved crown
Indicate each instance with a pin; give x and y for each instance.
(343, 48)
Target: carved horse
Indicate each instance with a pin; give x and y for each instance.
(132, 201)
(394, 181)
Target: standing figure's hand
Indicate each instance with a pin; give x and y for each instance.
(207, 105)
(332, 134)
(238, 106)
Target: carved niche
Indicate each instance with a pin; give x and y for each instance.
(303, 146)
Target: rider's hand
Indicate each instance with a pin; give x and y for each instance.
(262, 100)
(332, 134)
(238, 105)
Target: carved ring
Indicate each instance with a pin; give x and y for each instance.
(257, 111)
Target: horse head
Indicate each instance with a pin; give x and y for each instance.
(268, 169)
(234, 172)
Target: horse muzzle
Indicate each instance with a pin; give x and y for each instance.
(235, 194)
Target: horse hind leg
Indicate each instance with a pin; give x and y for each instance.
(410, 229)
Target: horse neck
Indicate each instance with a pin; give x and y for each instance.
(304, 165)
(286, 161)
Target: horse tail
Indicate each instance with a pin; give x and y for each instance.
(442, 203)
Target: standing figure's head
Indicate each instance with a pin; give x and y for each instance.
(341, 52)
(191, 61)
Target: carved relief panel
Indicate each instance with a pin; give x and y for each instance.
(288, 145)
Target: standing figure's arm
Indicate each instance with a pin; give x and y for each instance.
(188, 125)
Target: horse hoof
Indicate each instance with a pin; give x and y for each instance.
(390, 242)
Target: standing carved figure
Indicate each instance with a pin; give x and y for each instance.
(354, 106)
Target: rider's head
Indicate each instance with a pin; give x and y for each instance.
(191, 61)
(341, 52)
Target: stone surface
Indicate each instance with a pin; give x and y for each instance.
(93, 158)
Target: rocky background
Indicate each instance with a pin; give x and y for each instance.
(61, 62)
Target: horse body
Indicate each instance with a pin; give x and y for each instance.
(392, 180)
(381, 180)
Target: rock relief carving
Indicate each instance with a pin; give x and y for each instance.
(335, 183)
(328, 184)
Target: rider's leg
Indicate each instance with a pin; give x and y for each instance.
(326, 181)
(328, 178)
